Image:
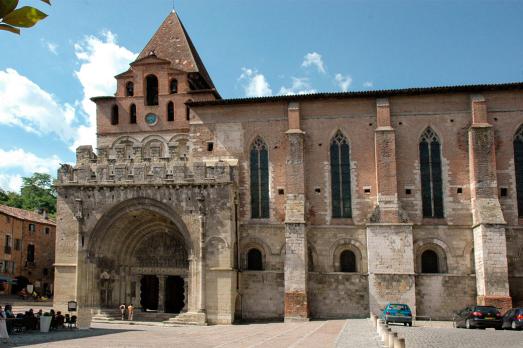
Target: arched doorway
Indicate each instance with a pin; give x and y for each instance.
(140, 255)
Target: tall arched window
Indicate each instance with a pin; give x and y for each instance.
(429, 262)
(259, 162)
(114, 115)
(340, 176)
(254, 260)
(430, 169)
(151, 82)
(518, 163)
(132, 114)
(129, 89)
(173, 86)
(170, 111)
(347, 261)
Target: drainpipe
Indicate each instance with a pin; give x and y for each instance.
(238, 268)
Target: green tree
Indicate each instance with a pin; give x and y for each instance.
(38, 193)
(11, 199)
(12, 18)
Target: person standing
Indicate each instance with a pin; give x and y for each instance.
(130, 311)
(122, 310)
(3, 326)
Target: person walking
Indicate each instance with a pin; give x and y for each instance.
(3, 326)
(123, 307)
(130, 311)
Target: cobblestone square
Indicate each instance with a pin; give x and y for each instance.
(353, 333)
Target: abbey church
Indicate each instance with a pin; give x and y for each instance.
(204, 210)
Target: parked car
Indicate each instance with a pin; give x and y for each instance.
(478, 317)
(513, 319)
(397, 313)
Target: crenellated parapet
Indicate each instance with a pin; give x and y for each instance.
(131, 167)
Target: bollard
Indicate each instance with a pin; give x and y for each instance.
(392, 337)
(373, 320)
(386, 337)
(400, 343)
(378, 328)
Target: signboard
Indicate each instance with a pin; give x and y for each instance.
(71, 306)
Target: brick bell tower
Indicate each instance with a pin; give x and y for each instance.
(152, 93)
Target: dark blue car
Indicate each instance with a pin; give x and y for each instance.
(397, 313)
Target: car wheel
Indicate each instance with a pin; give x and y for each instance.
(467, 324)
(410, 324)
(404, 324)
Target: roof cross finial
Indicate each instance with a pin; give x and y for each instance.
(173, 7)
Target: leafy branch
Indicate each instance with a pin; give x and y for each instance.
(12, 18)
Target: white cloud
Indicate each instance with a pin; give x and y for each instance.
(24, 104)
(101, 59)
(343, 82)
(255, 84)
(368, 84)
(24, 163)
(52, 47)
(28, 162)
(10, 182)
(300, 85)
(314, 59)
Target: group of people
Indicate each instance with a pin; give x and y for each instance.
(127, 311)
(34, 295)
(29, 320)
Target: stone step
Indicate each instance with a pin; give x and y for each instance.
(188, 318)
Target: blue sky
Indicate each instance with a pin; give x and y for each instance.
(250, 48)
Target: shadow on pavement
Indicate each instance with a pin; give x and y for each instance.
(28, 338)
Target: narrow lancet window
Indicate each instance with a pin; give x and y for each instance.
(114, 115)
(259, 164)
(132, 114)
(173, 86)
(129, 89)
(170, 111)
(340, 176)
(430, 170)
(151, 82)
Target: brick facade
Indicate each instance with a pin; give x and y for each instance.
(20, 229)
(170, 165)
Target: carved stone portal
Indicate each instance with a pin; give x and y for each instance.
(162, 250)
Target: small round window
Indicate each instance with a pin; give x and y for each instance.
(151, 119)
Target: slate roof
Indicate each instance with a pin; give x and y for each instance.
(361, 94)
(25, 215)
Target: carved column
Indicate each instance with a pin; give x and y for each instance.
(201, 206)
(161, 293)
(490, 249)
(296, 270)
(185, 295)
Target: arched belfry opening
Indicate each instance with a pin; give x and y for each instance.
(140, 253)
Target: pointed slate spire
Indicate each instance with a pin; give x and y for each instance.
(171, 42)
